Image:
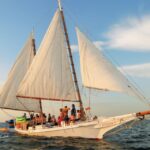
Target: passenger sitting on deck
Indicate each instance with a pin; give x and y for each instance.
(78, 115)
(44, 115)
(72, 118)
(42, 119)
(32, 122)
(37, 120)
(54, 122)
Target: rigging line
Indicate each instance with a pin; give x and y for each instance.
(72, 62)
(74, 19)
(112, 59)
(7, 113)
(140, 91)
(77, 66)
(42, 17)
(134, 89)
(76, 25)
(125, 126)
(23, 105)
(141, 98)
(68, 12)
(126, 75)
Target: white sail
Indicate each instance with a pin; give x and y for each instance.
(8, 98)
(0, 89)
(49, 76)
(97, 72)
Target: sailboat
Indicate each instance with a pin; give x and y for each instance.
(52, 77)
(8, 98)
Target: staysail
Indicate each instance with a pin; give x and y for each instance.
(97, 72)
(49, 76)
(8, 98)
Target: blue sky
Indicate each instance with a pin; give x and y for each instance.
(121, 28)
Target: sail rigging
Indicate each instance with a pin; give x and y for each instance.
(50, 76)
(8, 98)
(97, 72)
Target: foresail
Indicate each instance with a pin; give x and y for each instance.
(97, 72)
(8, 98)
(49, 76)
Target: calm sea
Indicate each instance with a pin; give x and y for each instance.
(135, 138)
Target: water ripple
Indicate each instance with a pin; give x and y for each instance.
(136, 138)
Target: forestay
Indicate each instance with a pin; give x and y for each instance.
(97, 72)
(49, 76)
(8, 98)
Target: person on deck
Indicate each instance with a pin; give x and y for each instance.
(65, 112)
(54, 122)
(49, 118)
(78, 115)
(25, 115)
(73, 110)
(37, 120)
(31, 116)
(60, 117)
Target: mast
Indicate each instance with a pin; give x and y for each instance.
(34, 51)
(71, 59)
(33, 43)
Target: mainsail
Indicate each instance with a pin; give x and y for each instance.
(49, 76)
(8, 98)
(97, 72)
(0, 89)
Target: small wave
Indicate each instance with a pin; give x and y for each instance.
(3, 136)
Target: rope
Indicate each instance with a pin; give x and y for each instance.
(138, 92)
(125, 126)
(7, 113)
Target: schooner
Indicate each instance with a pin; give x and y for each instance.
(52, 76)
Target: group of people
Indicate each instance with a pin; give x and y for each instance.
(64, 117)
(38, 119)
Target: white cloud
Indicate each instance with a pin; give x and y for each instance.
(98, 44)
(140, 70)
(74, 48)
(131, 34)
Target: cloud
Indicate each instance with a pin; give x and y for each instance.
(140, 70)
(132, 34)
(98, 44)
(74, 48)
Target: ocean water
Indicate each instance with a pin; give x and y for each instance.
(135, 138)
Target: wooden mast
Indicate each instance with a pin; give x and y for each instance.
(34, 51)
(71, 59)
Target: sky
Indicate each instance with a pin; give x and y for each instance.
(120, 28)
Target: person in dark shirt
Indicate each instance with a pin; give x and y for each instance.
(73, 111)
(49, 117)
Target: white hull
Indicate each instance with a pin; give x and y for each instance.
(91, 129)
